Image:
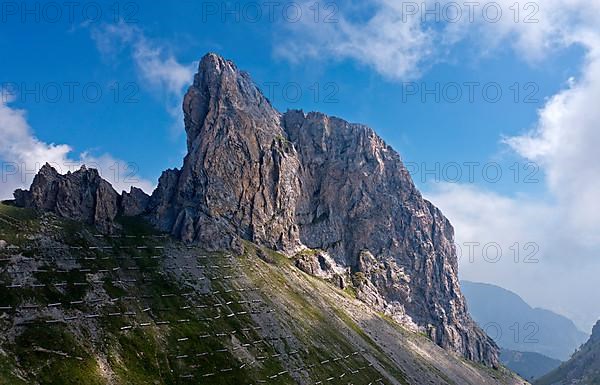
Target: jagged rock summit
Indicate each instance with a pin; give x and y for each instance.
(240, 176)
(82, 195)
(303, 184)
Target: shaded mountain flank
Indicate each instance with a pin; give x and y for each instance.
(528, 365)
(583, 368)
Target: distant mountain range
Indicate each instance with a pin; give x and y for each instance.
(515, 325)
(528, 365)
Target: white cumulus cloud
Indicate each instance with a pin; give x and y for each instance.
(563, 220)
(565, 142)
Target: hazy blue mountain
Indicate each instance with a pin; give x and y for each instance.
(515, 325)
(528, 365)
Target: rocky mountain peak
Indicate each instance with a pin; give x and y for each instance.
(220, 90)
(298, 181)
(81, 195)
(48, 170)
(304, 184)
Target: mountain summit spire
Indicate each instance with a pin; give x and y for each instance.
(297, 181)
(220, 87)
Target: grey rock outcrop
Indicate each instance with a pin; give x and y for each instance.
(81, 196)
(320, 264)
(595, 337)
(316, 264)
(294, 180)
(135, 202)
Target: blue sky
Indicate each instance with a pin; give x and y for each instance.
(365, 63)
(423, 132)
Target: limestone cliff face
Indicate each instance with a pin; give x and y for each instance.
(295, 181)
(360, 205)
(292, 181)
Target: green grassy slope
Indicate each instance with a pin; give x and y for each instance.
(141, 308)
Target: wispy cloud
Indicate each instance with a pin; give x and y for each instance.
(565, 142)
(394, 47)
(156, 67)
